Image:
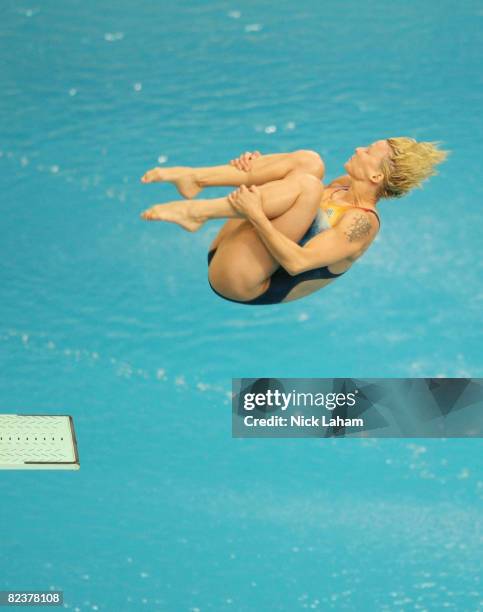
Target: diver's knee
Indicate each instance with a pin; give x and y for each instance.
(309, 184)
(310, 162)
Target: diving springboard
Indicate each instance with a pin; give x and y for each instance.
(37, 442)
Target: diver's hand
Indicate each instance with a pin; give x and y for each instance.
(247, 201)
(244, 162)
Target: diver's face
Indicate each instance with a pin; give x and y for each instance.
(366, 161)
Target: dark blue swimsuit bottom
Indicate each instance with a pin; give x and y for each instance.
(281, 282)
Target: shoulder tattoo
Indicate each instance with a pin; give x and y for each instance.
(360, 228)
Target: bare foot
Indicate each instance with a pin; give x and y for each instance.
(182, 176)
(180, 213)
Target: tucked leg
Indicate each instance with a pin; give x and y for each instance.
(242, 265)
(266, 168)
(277, 196)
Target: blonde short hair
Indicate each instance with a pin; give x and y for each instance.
(410, 164)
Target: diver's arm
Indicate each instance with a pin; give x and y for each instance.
(348, 239)
(283, 249)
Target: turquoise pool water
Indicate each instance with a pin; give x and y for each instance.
(112, 320)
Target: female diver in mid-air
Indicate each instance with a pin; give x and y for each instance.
(292, 236)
